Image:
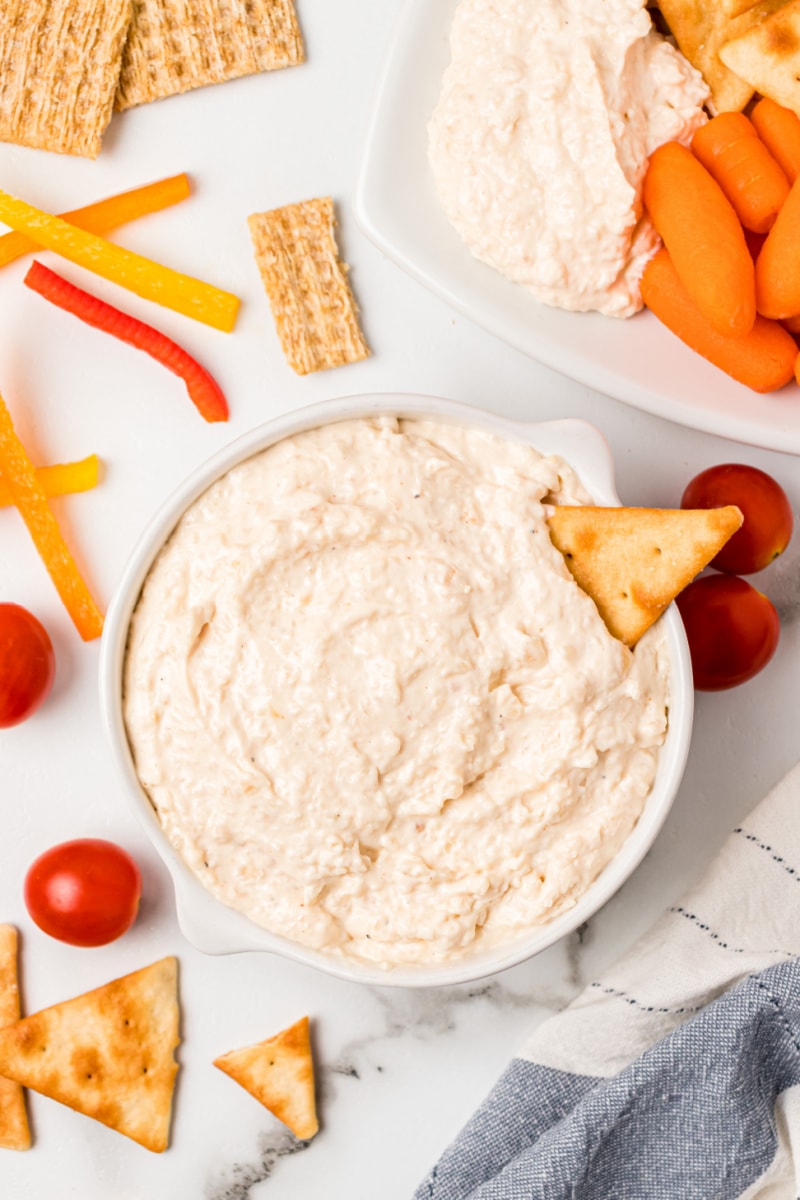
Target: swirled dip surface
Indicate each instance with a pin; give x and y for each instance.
(370, 705)
(539, 143)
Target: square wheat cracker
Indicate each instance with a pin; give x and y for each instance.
(313, 307)
(60, 63)
(177, 45)
(15, 1133)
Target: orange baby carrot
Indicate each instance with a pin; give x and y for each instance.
(704, 238)
(105, 215)
(731, 150)
(792, 324)
(779, 130)
(778, 264)
(764, 359)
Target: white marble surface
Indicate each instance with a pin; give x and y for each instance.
(399, 1071)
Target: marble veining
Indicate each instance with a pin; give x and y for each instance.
(237, 1181)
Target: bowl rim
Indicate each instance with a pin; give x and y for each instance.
(209, 924)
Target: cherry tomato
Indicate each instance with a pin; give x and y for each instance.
(27, 664)
(732, 629)
(765, 507)
(84, 892)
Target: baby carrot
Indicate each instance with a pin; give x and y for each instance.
(778, 264)
(105, 215)
(779, 130)
(703, 236)
(731, 150)
(764, 359)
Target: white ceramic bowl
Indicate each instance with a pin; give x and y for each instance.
(216, 929)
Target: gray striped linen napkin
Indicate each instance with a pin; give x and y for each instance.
(676, 1076)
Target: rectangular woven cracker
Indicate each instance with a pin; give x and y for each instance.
(311, 301)
(59, 65)
(176, 45)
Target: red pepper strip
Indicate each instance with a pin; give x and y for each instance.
(204, 391)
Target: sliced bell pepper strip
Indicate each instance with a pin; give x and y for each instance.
(141, 275)
(203, 390)
(61, 479)
(19, 476)
(106, 214)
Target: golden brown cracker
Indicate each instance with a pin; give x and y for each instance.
(767, 56)
(108, 1053)
(312, 304)
(15, 1133)
(59, 66)
(701, 28)
(176, 45)
(634, 561)
(279, 1072)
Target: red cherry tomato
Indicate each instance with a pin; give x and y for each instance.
(765, 507)
(84, 892)
(27, 664)
(732, 629)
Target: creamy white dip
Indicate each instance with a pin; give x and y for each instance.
(539, 143)
(369, 703)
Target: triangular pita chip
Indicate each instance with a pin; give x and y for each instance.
(14, 1131)
(634, 561)
(107, 1053)
(768, 56)
(700, 28)
(280, 1073)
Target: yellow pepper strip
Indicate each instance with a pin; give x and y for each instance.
(61, 479)
(20, 477)
(106, 214)
(140, 275)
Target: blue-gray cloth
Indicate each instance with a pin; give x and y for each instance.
(705, 1103)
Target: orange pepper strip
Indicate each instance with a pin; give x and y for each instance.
(20, 477)
(140, 275)
(61, 479)
(106, 214)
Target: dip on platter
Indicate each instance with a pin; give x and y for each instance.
(373, 716)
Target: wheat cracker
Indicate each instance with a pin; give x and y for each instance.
(59, 65)
(312, 304)
(177, 45)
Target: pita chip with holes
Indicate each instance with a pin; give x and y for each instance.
(177, 45)
(108, 1053)
(767, 56)
(279, 1072)
(312, 305)
(14, 1131)
(634, 561)
(59, 66)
